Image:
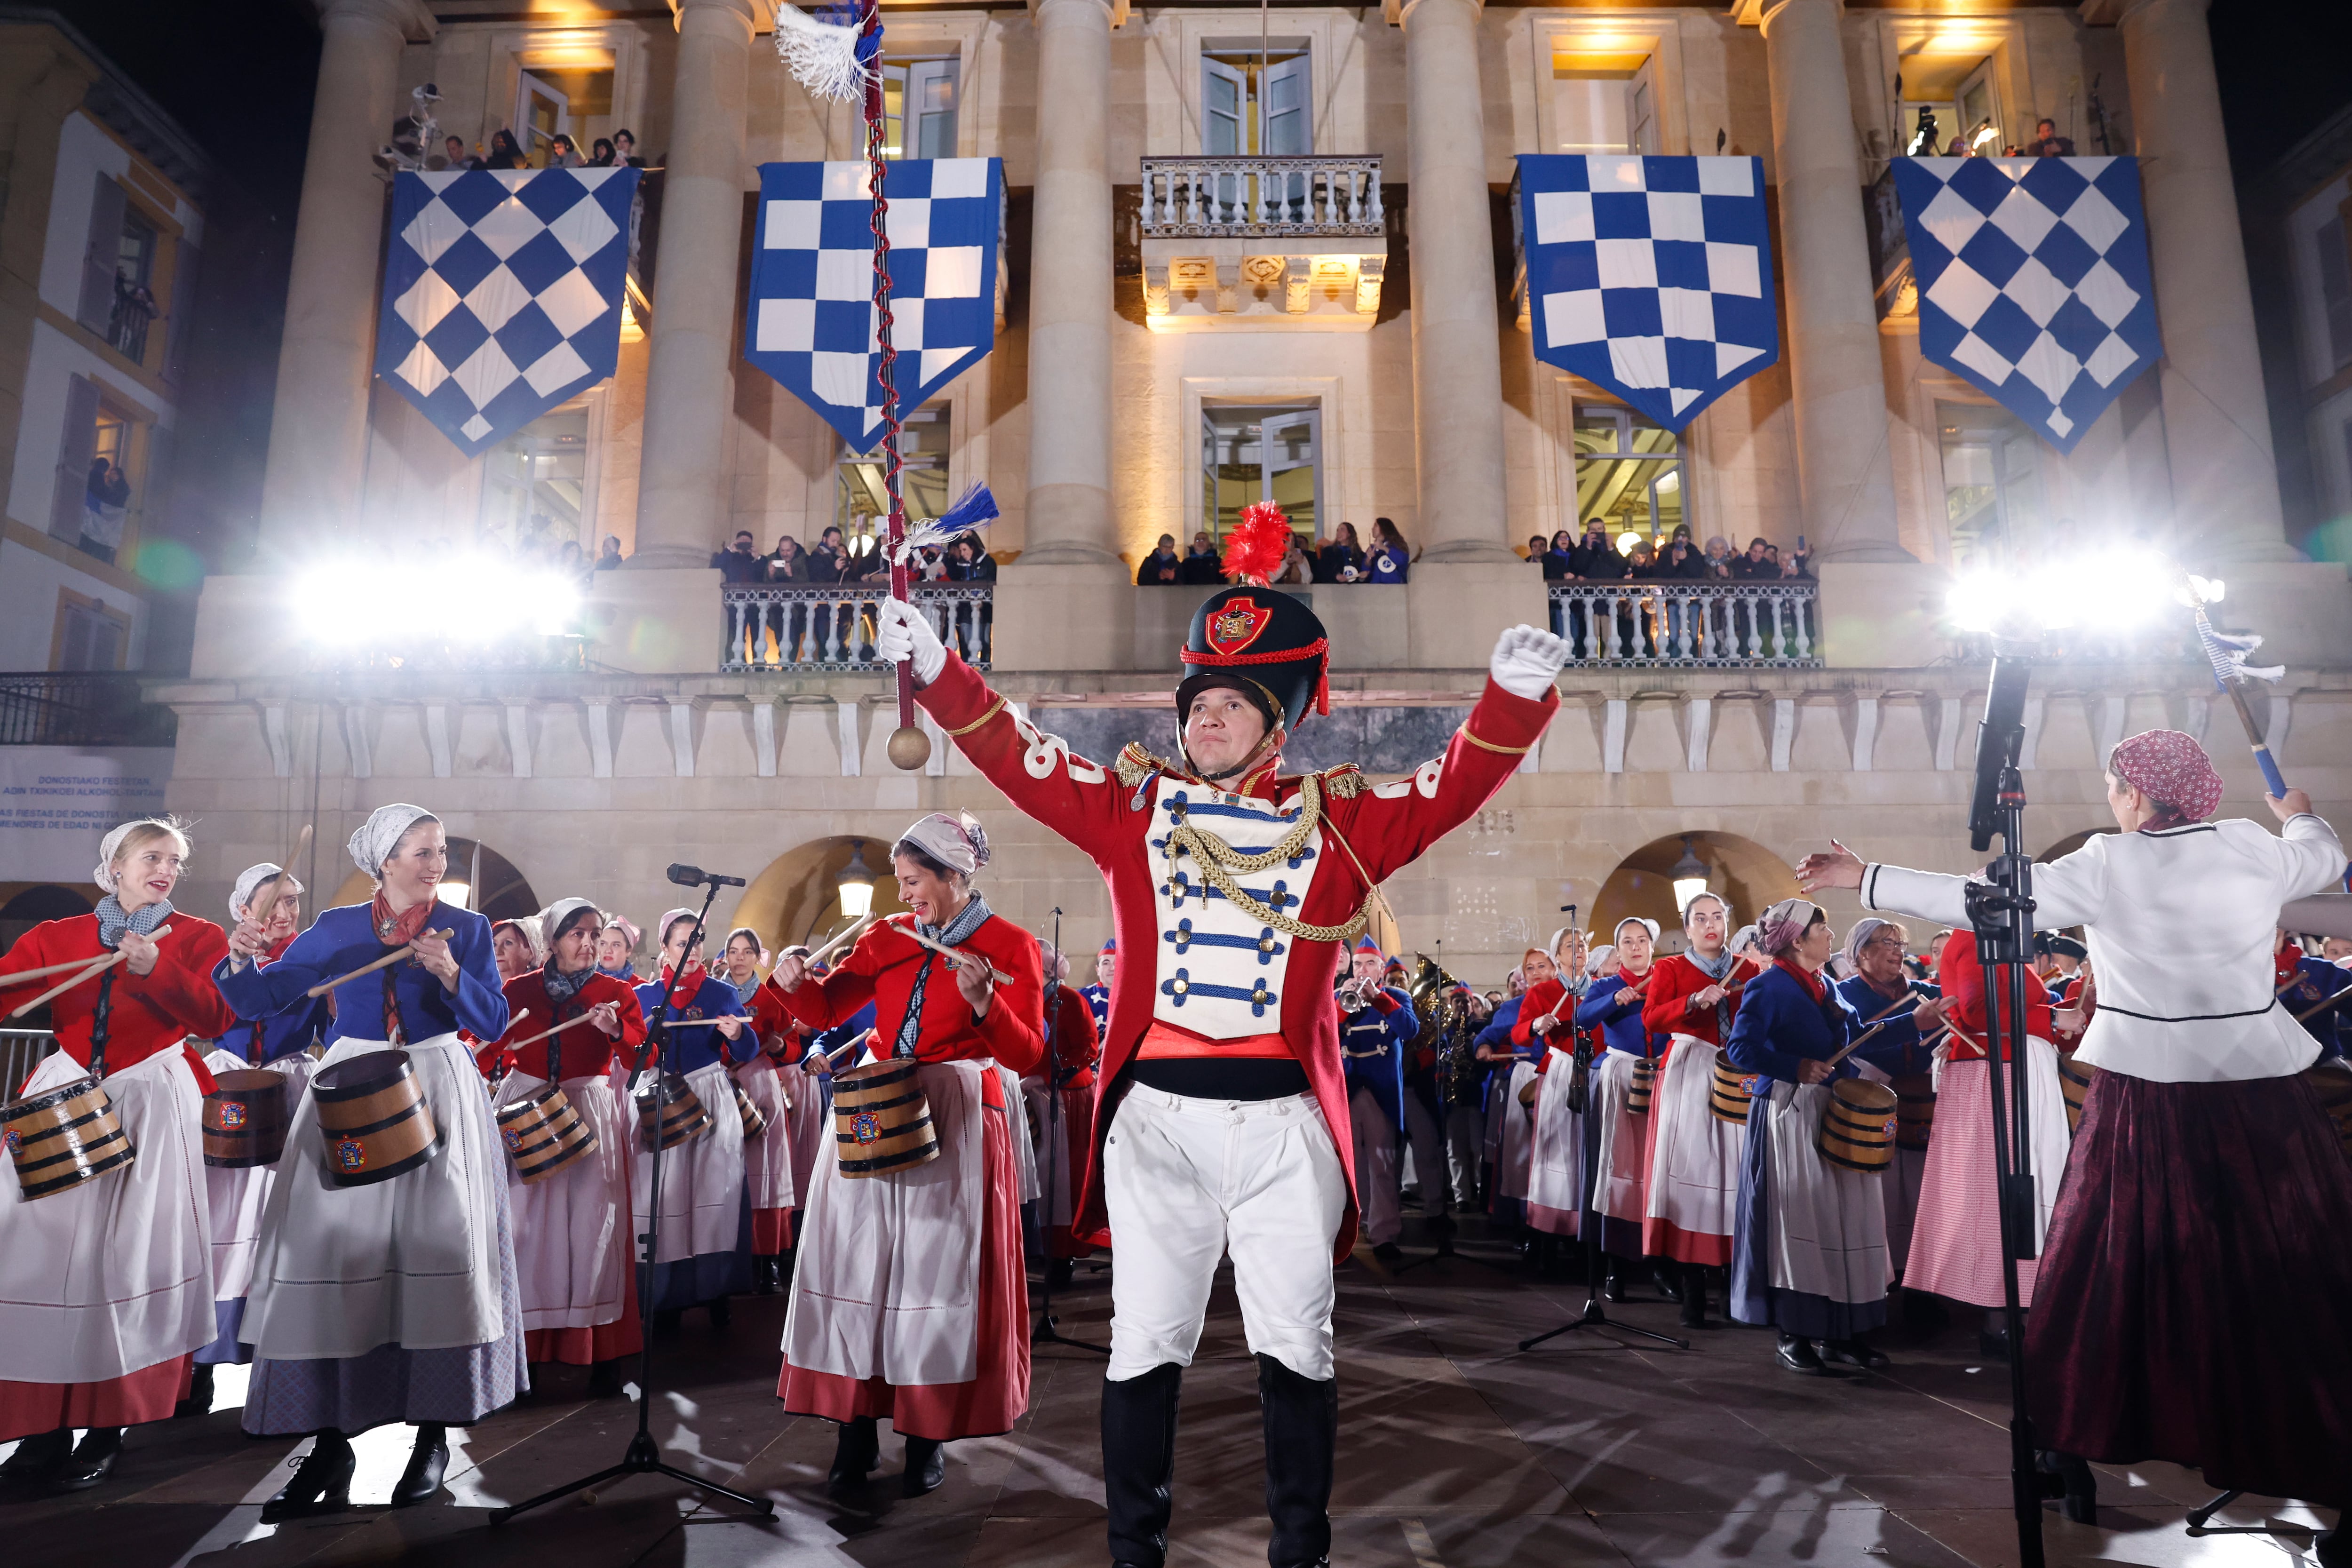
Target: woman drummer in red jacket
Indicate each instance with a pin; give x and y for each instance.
(909, 1297)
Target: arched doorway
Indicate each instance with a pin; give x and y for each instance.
(493, 884)
(797, 899)
(1747, 876)
(2068, 845)
(28, 904)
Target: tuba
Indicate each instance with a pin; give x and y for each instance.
(1445, 1027)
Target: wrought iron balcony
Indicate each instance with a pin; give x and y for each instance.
(79, 708)
(1694, 625)
(830, 627)
(1263, 197)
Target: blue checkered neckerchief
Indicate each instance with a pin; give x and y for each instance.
(910, 1027)
(114, 920)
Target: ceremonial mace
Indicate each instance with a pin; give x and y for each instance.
(2227, 653)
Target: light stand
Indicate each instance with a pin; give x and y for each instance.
(1596, 1270)
(1048, 1329)
(2000, 910)
(642, 1457)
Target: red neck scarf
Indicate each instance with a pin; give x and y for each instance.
(397, 930)
(683, 987)
(1812, 983)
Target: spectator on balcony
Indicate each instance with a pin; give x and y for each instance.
(1296, 569)
(601, 154)
(737, 563)
(1595, 559)
(563, 153)
(1718, 557)
(612, 556)
(504, 153)
(452, 154)
(788, 562)
(1758, 563)
(1341, 560)
(2047, 143)
(970, 561)
(1201, 567)
(105, 501)
(826, 561)
(1799, 565)
(624, 142)
(1160, 568)
(1392, 558)
(571, 561)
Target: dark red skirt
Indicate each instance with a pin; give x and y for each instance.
(2194, 1302)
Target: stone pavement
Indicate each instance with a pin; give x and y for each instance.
(1456, 1451)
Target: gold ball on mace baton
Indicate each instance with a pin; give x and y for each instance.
(910, 748)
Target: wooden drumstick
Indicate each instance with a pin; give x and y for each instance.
(1878, 1023)
(91, 969)
(955, 952)
(838, 937)
(23, 977)
(2322, 1006)
(567, 1023)
(698, 1023)
(395, 956)
(285, 870)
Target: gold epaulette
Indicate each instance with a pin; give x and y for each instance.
(1345, 781)
(1134, 764)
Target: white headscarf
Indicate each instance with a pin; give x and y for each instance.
(379, 836)
(249, 879)
(551, 919)
(956, 842)
(1598, 959)
(104, 873)
(1649, 925)
(661, 927)
(535, 935)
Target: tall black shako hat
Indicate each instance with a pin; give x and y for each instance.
(1264, 645)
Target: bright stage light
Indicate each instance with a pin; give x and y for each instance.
(1627, 541)
(467, 597)
(454, 894)
(2106, 591)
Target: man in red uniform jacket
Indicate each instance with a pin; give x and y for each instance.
(1221, 1117)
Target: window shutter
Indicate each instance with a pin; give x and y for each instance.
(100, 256)
(74, 453)
(185, 260)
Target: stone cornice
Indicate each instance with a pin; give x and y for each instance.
(1114, 9)
(412, 19)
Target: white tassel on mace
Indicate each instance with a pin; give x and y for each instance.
(821, 56)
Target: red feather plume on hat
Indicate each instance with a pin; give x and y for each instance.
(1256, 551)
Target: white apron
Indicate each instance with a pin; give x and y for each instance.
(236, 1197)
(702, 1181)
(768, 1159)
(573, 1257)
(1901, 1186)
(811, 1124)
(115, 1275)
(889, 1280)
(1826, 1225)
(1026, 1119)
(1695, 1174)
(1514, 1159)
(1556, 1180)
(412, 1261)
(1619, 1184)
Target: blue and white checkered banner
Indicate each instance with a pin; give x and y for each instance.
(1650, 277)
(811, 323)
(503, 293)
(2033, 281)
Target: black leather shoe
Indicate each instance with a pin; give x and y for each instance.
(2070, 1478)
(1614, 1287)
(1060, 1272)
(604, 1379)
(770, 1278)
(927, 1467)
(1668, 1286)
(2333, 1548)
(91, 1461)
(324, 1484)
(855, 1454)
(1388, 1252)
(1857, 1354)
(1693, 1300)
(199, 1401)
(1797, 1355)
(426, 1461)
(37, 1459)
(722, 1311)
(1994, 1344)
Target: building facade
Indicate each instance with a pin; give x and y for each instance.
(1263, 255)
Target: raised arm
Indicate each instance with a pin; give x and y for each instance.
(2069, 891)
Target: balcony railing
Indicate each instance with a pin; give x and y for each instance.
(791, 630)
(1249, 197)
(79, 708)
(1688, 624)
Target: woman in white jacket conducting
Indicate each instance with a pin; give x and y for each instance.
(2194, 1298)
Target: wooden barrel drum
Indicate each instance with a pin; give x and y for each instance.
(1729, 1098)
(682, 1121)
(1915, 1110)
(1857, 1130)
(543, 1134)
(2075, 1082)
(61, 1138)
(881, 1121)
(373, 1122)
(754, 1122)
(1645, 1082)
(245, 1119)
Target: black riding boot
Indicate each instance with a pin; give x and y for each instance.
(1139, 1440)
(1302, 1430)
(199, 1401)
(854, 1454)
(1694, 1314)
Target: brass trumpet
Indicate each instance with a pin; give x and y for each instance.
(1446, 1025)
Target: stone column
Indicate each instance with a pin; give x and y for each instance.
(318, 427)
(682, 490)
(1070, 549)
(1457, 364)
(1845, 479)
(2216, 420)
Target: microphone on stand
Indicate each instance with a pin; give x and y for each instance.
(687, 876)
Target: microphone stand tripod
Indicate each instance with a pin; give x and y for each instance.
(1589, 1221)
(1049, 1331)
(642, 1457)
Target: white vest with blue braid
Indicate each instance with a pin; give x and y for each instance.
(1218, 972)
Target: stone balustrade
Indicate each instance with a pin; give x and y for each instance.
(1253, 197)
(830, 627)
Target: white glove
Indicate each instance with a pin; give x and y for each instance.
(901, 633)
(1526, 661)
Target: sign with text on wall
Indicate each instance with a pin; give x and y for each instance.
(58, 802)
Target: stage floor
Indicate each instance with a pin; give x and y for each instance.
(1456, 1451)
